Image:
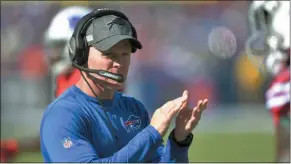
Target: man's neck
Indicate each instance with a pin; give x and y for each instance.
(101, 92)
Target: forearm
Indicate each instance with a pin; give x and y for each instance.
(140, 149)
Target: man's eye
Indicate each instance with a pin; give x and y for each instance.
(111, 56)
(125, 54)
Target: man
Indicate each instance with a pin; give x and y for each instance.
(92, 122)
(269, 19)
(63, 74)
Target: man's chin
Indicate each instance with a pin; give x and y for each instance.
(114, 87)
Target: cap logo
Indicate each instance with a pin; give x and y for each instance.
(117, 21)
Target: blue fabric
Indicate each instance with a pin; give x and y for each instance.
(75, 128)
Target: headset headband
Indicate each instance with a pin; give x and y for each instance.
(78, 48)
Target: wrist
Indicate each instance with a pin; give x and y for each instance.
(182, 143)
(178, 137)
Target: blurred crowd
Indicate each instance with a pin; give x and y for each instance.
(175, 53)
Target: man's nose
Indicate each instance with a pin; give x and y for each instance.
(117, 64)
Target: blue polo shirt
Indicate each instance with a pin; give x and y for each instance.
(77, 128)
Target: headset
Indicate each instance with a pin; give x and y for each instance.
(78, 46)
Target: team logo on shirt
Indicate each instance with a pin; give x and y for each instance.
(133, 122)
(67, 142)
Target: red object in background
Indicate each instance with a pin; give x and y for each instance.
(200, 90)
(66, 80)
(278, 95)
(32, 62)
(9, 149)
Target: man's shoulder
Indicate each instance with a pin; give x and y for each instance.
(62, 113)
(64, 104)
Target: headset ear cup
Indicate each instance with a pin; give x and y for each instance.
(85, 51)
(80, 57)
(72, 49)
(81, 50)
(76, 53)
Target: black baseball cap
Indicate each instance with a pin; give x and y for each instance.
(104, 32)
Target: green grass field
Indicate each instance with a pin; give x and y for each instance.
(216, 147)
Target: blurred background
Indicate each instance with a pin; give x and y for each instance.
(175, 56)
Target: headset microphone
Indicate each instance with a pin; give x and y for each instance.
(106, 74)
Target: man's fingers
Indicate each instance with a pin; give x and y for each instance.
(204, 104)
(175, 105)
(196, 113)
(178, 102)
(199, 105)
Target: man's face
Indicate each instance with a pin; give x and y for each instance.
(115, 60)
